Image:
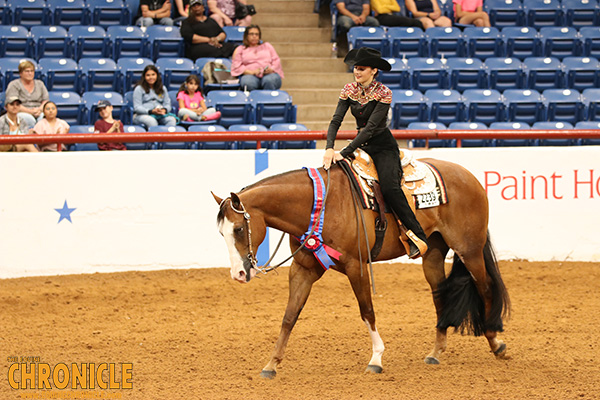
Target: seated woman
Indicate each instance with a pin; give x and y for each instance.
(32, 93)
(203, 37)
(256, 64)
(223, 11)
(428, 12)
(151, 102)
(387, 13)
(50, 125)
(471, 12)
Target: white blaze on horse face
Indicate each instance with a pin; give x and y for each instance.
(237, 270)
(378, 346)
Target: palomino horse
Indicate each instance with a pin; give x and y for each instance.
(472, 297)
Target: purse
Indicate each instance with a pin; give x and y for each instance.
(243, 10)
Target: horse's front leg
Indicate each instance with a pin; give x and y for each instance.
(300, 281)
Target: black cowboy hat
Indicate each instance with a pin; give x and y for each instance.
(367, 57)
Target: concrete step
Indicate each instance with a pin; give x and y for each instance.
(291, 20)
(302, 49)
(320, 112)
(303, 64)
(282, 7)
(313, 95)
(295, 35)
(323, 80)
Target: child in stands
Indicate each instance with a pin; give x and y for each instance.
(107, 124)
(192, 106)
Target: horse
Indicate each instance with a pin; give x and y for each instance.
(472, 298)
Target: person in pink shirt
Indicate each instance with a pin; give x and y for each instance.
(50, 125)
(256, 64)
(192, 106)
(471, 12)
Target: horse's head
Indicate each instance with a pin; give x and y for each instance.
(242, 235)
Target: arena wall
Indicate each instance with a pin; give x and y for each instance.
(86, 212)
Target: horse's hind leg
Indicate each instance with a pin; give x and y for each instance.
(301, 280)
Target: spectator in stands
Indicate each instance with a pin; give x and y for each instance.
(12, 124)
(107, 124)
(428, 11)
(387, 13)
(256, 64)
(203, 36)
(181, 10)
(471, 12)
(50, 125)
(32, 93)
(153, 12)
(151, 102)
(192, 106)
(352, 13)
(223, 11)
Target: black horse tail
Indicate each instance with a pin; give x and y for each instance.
(462, 307)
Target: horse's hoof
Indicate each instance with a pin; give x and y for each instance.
(431, 360)
(268, 374)
(376, 369)
(501, 351)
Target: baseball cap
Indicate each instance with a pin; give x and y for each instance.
(194, 2)
(12, 99)
(102, 104)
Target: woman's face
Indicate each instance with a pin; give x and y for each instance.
(192, 86)
(27, 74)
(364, 75)
(253, 37)
(150, 77)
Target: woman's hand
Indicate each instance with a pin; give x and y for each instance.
(268, 70)
(331, 156)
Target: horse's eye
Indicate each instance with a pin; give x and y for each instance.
(238, 230)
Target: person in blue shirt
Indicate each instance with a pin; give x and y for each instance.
(352, 13)
(151, 102)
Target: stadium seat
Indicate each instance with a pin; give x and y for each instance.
(9, 69)
(172, 145)
(60, 74)
(5, 13)
(467, 126)
(561, 42)
(293, 144)
(130, 71)
(252, 128)
(591, 41)
(484, 105)
(427, 73)
(127, 41)
(522, 42)
(68, 105)
(175, 71)
(272, 107)
(207, 87)
(234, 106)
(466, 73)
(212, 145)
(67, 13)
(524, 105)
(564, 105)
(84, 147)
(398, 77)
(512, 142)
(581, 72)
(483, 42)
(407, 42)
(445, 106)
(15, 41)
(109, 12)
(90, 41)
(505, 12)
(120, 109)
(541, 13)
(408, 106)
(591, 98)
(99, 74)
(580, 13)
(429, 142)
(368, 36)
(554, 125)
(588, 125)
(51, 41)
(505, 73)
(138, 145)
(544, 73)
(446, 42)
(29, 13)
(164, 41)
(234, 34)
(81, 129)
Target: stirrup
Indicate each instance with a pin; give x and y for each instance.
(417, 247)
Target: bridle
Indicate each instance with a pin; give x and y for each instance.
(250, 256)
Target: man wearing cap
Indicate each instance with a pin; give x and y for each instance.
(11, 124)
(106, 124)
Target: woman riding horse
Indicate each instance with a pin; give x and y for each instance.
(369, 101)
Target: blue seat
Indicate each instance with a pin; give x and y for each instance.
(175, 71)
(591, 98)
(90, 41)
(368, 36)
(5, 13)
(445, 106)
(109, 12)
(448, 42)
(29, 13)
(505, 12)
(234, 106)
(252, 128)
(542, 13)
(554, 125)
(398, 77)
(512, 142)
(544, 73)
(580, 13)
(128, 41)
(522, 42)
(164, 41)
(81, 129)
(212, 145)
(293, 144)
(51, 41)
(99, 74)
(427, 73)
(484, 105)
(60, 74)
(483, 42)
(272, 107)
(234, 34)
(468, 126)
(207, 87)
(15, 41)
(120, 109)
(588, 125)
(564, 105)
(130, 71)
(407, 42)
(67, 13)
(505, 73)
(561, 42)
(84, 147)
(68, 105)
(408, 106)
(430, 142)
(524, 105)
(581, 72)
(591, 41)
(466, 73)
(172, 145)
(138, 145)
(9, 69)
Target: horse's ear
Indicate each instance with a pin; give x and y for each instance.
(217, 198)
(235, 201)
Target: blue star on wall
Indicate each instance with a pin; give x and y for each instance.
(65, 212)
